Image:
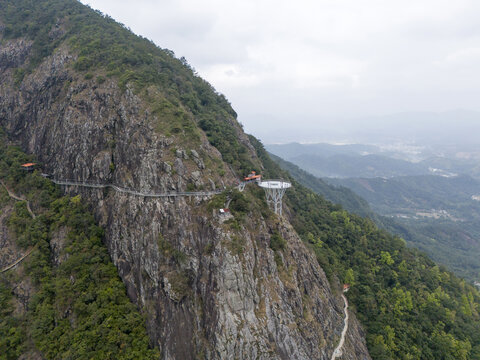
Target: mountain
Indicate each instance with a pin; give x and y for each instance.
(291, 150)
(355, 160)
(98, 105)
(154, 152)
(437, 214)
(357, 166)
(393, 205)
(409, 195)
(382, 160)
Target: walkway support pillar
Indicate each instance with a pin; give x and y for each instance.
(274, 191)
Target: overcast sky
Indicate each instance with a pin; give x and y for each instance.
(312, 64)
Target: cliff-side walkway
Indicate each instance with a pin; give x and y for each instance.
(91, 184)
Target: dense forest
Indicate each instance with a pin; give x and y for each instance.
(78, 306)
(439, 212)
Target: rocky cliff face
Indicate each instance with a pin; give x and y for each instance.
(210, 288)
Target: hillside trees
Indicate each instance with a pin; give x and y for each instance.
(410, 307)
(79, 307)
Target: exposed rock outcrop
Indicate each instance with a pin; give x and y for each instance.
(208, 289)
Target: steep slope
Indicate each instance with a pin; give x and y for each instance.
(95, 103)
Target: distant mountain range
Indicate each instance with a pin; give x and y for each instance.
(426, 129)
(369, 161)
(407, 196)
(430, 203)
(358, 166)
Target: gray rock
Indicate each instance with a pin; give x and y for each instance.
(179, 167)
(205, 288)
(194, 154)
(181, 154)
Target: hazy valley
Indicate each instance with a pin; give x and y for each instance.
(433, 199)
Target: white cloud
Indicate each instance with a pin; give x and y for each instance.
(466, 56)
(331, 59)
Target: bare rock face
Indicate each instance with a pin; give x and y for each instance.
(14, 54)
(208, 290)
(57, 245)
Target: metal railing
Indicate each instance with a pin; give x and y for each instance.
(93, 184)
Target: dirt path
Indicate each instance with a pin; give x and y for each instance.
(29, 251)
(18, 198)
(338, 350)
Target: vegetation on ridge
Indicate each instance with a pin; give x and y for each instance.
(449, 242)
(439, 213)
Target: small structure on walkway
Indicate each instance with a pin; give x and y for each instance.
(252, 177)
(28, 166)
(346, 287)
(224, 215)
(274, 191)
